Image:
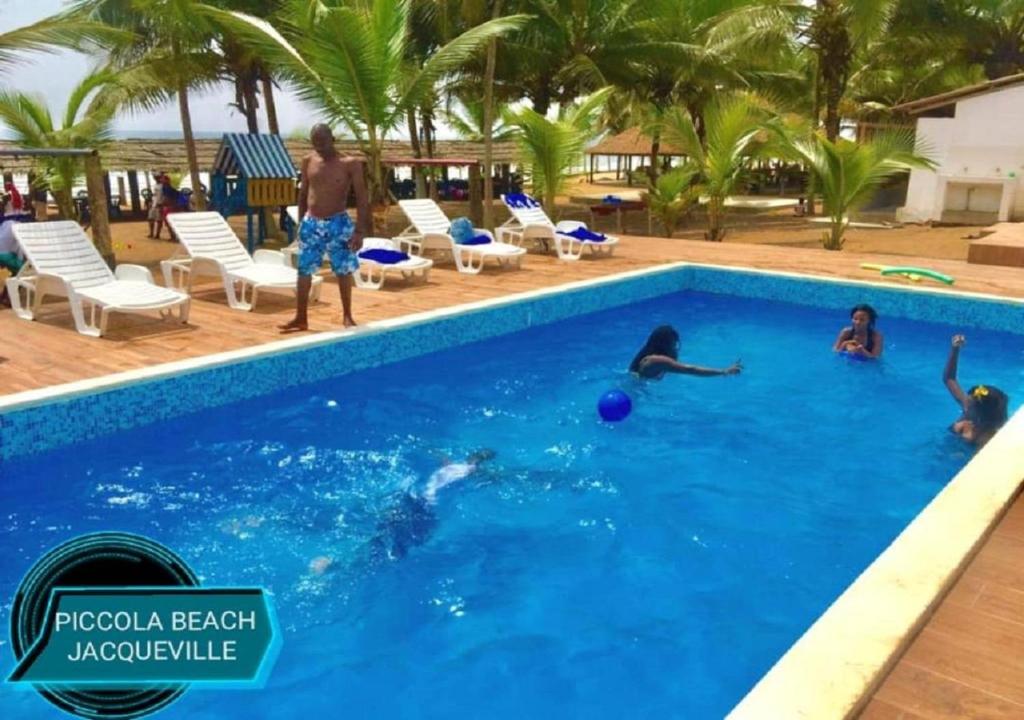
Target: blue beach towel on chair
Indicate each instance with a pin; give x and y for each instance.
(582, 233)
(463, 233)
(521, 200)
(384, 257)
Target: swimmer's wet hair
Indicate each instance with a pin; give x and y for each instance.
(662, 341)
(989, 406)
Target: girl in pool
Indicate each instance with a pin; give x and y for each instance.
(660, 355)
(860, 339)
(984, 406)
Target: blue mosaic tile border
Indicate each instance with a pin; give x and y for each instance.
(82, 417)
(1002, 315)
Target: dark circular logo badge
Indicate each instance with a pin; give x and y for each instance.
(107, 559)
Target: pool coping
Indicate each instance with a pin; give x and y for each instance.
(832, 669)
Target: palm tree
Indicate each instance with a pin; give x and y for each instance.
(350, 61)
(671, 197)
(849, 173)
(467, 120)
(993, 31)
(69, 30)
(733, 133)
(549, 148)
(694, 51)
(840, 32)
(84, 125)
(171, 52)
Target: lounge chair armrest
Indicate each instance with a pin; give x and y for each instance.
(569, 225)
(410, 246)
(134, 273)
(269, 257)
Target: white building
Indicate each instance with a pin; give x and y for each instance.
(976, 137)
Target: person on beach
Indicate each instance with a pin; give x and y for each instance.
(326, 179)
(154, 215)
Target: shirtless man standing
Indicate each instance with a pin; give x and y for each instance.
(326, 226)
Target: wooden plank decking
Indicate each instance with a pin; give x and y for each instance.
(967, 662)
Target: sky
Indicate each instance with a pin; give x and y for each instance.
(53, 76)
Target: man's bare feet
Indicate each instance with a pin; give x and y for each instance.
(349, 321)
(293, 326)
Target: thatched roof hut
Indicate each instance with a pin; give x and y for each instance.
(169, 155)
(631, 142)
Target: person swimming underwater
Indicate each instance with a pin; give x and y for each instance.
(660, 354)
(984, 406)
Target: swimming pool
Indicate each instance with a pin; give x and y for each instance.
(657, 567)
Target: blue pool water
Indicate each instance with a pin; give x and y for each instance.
(654, 568)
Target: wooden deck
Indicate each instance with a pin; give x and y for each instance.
(967, 663)
(48, 352)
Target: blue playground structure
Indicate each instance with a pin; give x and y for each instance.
(252, 172)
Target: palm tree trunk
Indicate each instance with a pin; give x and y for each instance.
(715, 233)
(652, 171)
(268, 101)
(249, 104)
(65, 209)
(492, 59)
(428, 140)
(377, 191)
(417, 149)
(190, 146)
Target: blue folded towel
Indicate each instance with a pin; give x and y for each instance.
(384, 257)
(464, 233)
(612, 199)
(520, 200)
(581, 233)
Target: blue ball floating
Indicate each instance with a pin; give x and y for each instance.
(614, 406)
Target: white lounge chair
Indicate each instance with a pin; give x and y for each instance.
(430, 229)
(371, 273)
(530, 222)
(211, 247)
(62, 260)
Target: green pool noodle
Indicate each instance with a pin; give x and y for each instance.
(923, 272)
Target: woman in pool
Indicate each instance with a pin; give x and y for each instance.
(984, 406)
(860, 339)
(660, 355)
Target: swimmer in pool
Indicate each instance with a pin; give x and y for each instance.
(411, 520)
(861, 338)
(660, 355)
(454, 472)
(984, 406)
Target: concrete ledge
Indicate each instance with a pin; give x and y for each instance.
(1004, 246)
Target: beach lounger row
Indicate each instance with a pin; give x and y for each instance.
(62, 261)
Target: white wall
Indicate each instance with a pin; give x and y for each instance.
(984, 139)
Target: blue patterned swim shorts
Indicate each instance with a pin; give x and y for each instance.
(330, 235)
